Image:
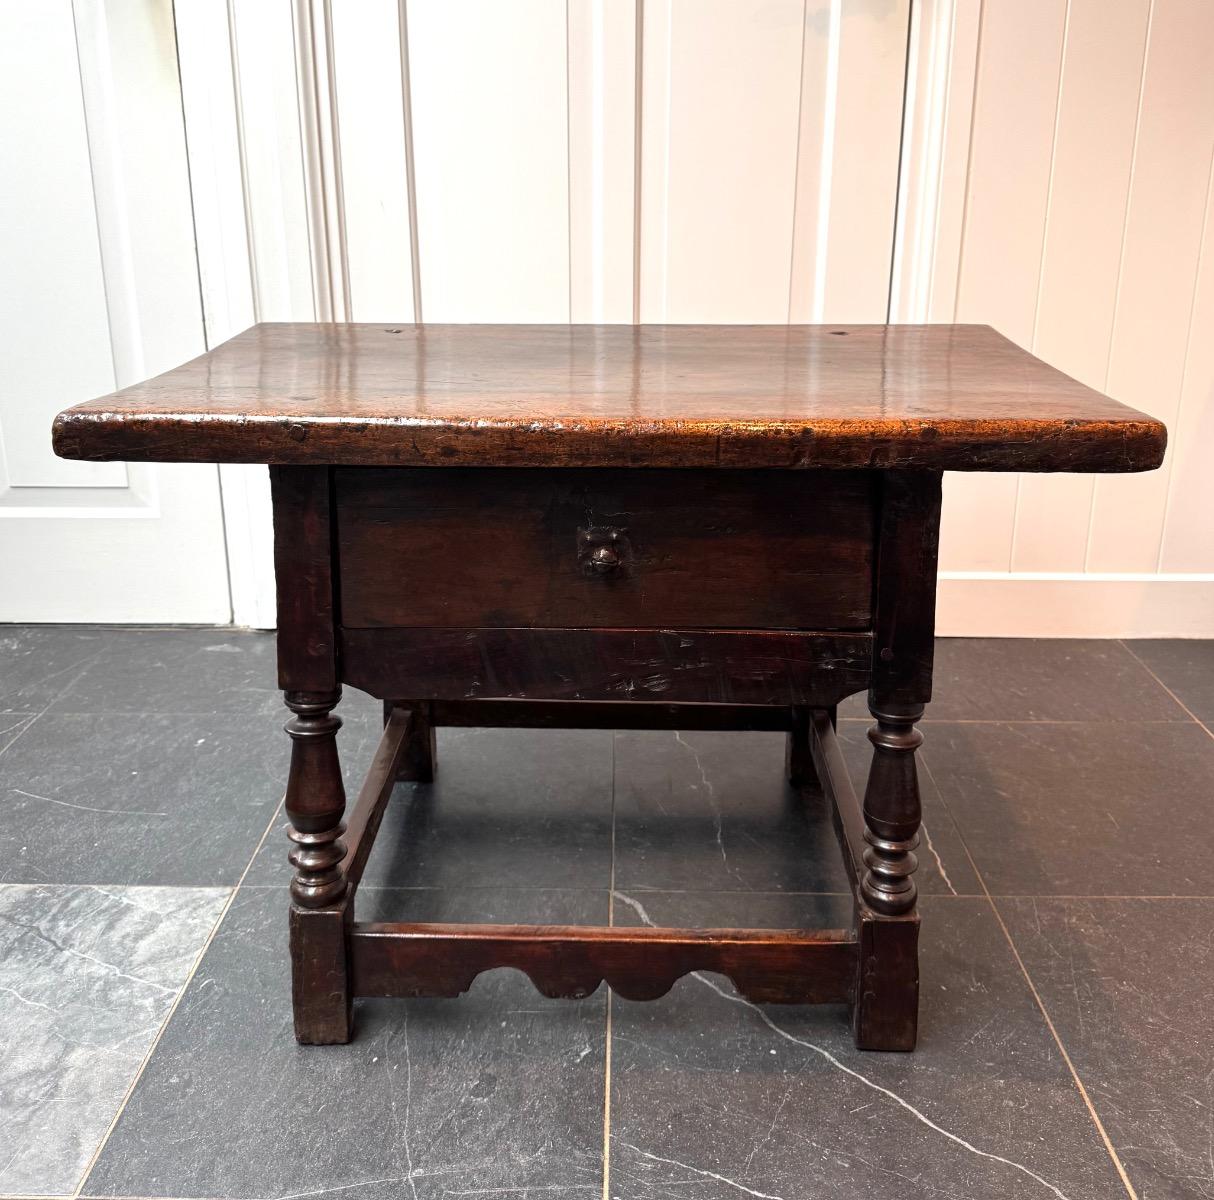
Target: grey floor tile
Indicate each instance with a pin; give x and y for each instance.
(1126, 983)
(191, 672)
(179, 671)
(705, 811)
(88, 976)
(1080, 809)
(498, 1092)
(510, 807)
(1186, 666)
(739, 910)
(12, 726)
(38, 662)
(1039, 679)
(713, 1097)
(137, 799)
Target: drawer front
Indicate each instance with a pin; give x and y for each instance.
(491, 548)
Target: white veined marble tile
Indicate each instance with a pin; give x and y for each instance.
(87, 977)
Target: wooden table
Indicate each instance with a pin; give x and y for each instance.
(702, 527)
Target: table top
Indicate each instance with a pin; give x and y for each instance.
(957, 397)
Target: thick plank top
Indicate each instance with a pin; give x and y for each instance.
(935, 396)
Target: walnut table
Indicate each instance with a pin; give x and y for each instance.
(657, 526)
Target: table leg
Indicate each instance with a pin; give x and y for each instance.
(798, 759)
(419, 762)
(887, 999)
(320, 916)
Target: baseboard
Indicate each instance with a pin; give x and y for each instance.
(991, 604)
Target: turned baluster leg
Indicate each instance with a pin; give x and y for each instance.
(892, 812)
(320, 916)
(886, 1010)
(419, 761)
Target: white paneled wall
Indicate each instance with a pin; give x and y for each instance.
(1074, 140)
(536, 160)
(768, 147)
(1043, 167)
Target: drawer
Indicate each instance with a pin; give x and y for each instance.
(465, 548)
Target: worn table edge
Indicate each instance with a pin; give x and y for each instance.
(1136, 443)
(129, 425)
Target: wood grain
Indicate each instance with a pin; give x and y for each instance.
(959, 397)
(468, 547)
(768, 966)
(587, 714)
(303, 573)
(669, 665)
(904, 625)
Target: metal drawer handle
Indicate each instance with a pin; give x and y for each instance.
(602, 550)
(604, 559)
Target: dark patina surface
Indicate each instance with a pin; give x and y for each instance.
(683, 527)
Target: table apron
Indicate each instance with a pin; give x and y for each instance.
(665, 665)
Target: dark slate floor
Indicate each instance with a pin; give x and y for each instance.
(1067, 1044)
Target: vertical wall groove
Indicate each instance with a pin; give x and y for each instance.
(899, 199)
(1184, 371)
(246, 199)
(826, 163)
(969, 161)
(1045, 237)
(796, 178)
(335, 191)
(638, 122)
(406, 108)
(568, 176)
(320, 157)
(1125, 228)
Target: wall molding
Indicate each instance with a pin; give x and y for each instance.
(602, 73)
(1074, 605)
(209, 66)
(942, 63)
(320, 142)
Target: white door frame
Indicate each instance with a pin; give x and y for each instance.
(101, 292)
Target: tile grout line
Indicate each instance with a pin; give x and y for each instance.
(130, 1091)
(928, 721)
(932, 896)
(88, 663)
(1066, 1058)
(1104, 1136)
(607, 1032)
(646, 891)
(608, 1028)
(1192, 715)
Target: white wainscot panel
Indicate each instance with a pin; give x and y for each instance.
(977, 520)
(1188, 531)
(1093, 149)
(603, 63)
(490, 148)
(267, 105)
(369, 97)
(1163, 236)
(1015, 96)
(853, 68)
(720, 98)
